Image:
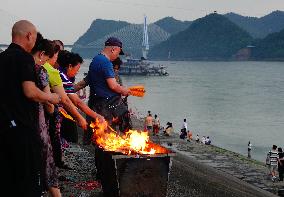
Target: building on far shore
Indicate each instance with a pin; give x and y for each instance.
(244, 53)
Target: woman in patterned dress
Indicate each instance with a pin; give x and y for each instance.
(41, 52)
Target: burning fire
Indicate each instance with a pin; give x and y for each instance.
(132, 142)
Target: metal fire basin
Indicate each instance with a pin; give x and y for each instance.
(133, 175)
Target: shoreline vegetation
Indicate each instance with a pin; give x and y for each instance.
(197, 170)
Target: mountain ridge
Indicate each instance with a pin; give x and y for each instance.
(212, 37)
(100, 30)
(259, 27)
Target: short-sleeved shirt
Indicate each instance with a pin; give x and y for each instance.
(53, 74)
(68, 83)
(17, 66)
(273, 157)
(100, 70)
(184, 125)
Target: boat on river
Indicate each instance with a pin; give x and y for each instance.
(142, 67)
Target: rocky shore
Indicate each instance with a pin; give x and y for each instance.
(197, 170)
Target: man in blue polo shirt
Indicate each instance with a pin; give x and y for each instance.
(104, 88)
(101, 79)
(101, 74)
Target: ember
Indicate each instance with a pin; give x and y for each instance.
(132, 142)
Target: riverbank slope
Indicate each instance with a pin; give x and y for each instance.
(197, 170)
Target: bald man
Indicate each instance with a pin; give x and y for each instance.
(20, 147)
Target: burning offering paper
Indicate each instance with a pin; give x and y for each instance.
(63, 113)
(138, 91)
(132, 142)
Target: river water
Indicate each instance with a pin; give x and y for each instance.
(232, 102)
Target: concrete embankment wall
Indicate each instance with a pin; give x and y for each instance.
(191, 178)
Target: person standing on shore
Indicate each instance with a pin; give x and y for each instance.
(249, 149)
(149, 122)
(124, 122)
(197, 138)
(184, 125)
(56, 86)
(273, 158)
(169, 129)
(105, 93)
(156, 125)
(20, 145)
(203, 139)
(70, 64)
(41, 52)
(116, 66)
(189, 135)
(207, 141)
(183, 129)
(280, 163)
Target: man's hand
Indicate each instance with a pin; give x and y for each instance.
(125, 92)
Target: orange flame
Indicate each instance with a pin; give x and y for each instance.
(138, 90)
(132, 142)
(66, 115)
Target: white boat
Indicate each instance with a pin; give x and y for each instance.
(142, 67)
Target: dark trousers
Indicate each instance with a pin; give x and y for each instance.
(21, 161)
(281, 171)
(87, 135)
(68, 130)
(100, 107)
(125, 123)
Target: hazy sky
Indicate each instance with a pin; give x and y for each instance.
(68, 19)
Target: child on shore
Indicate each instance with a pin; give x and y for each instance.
(169, 129)
(189, 136)
(203, 140)
(197, 138)
(207, 141)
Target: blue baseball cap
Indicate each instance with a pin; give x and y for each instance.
(112, 41)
